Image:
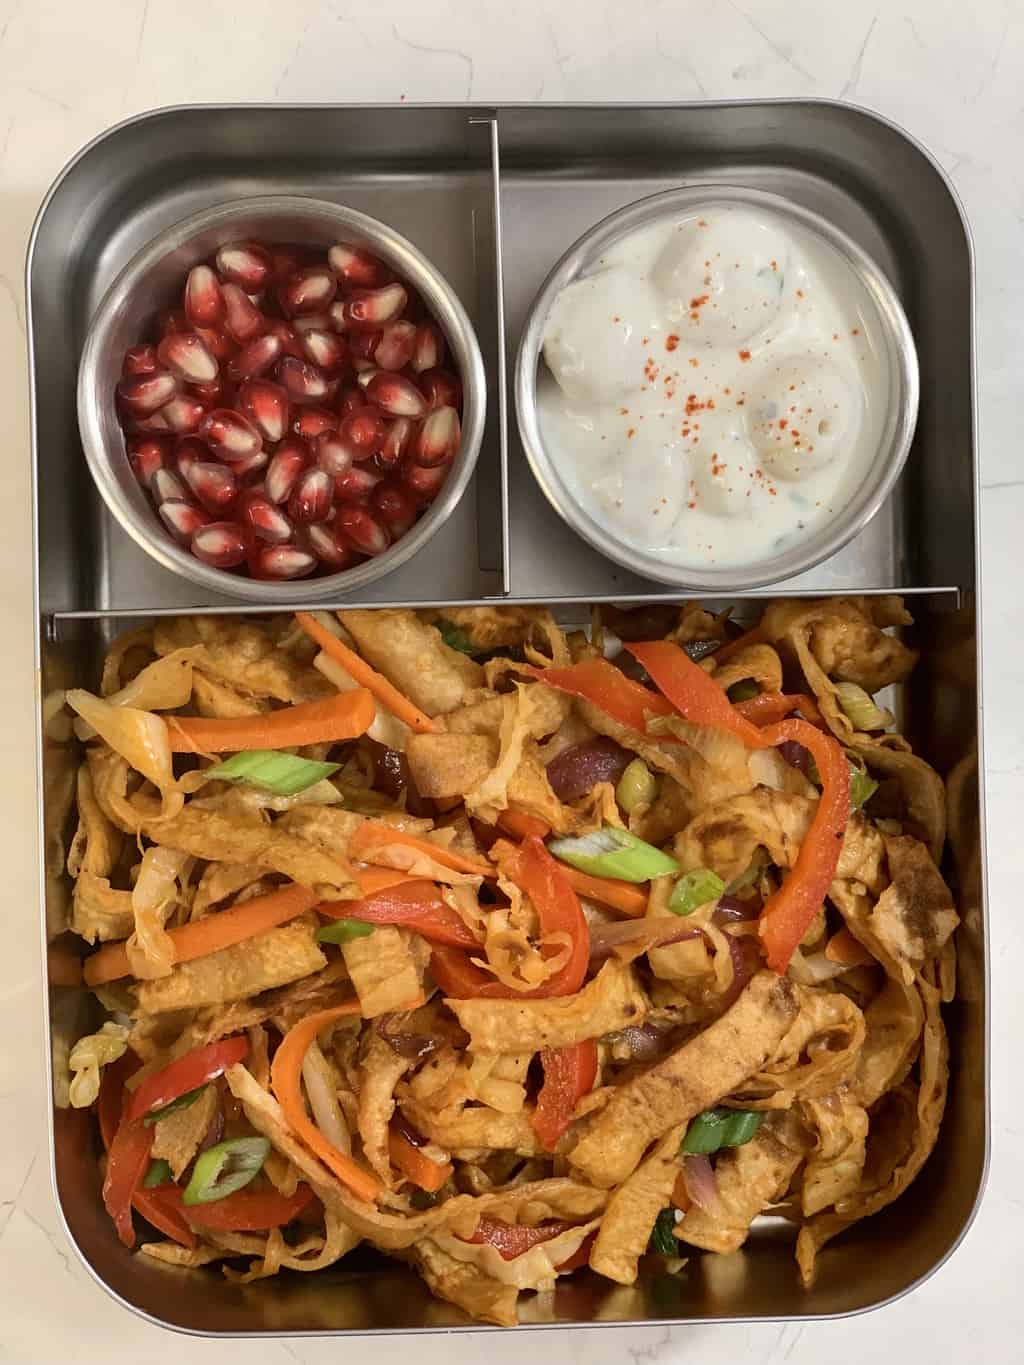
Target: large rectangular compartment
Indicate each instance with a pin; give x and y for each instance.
(495, 195)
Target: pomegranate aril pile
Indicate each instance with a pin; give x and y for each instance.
(294, 416)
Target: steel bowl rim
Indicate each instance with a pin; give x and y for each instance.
(445, 308)
(897, 435)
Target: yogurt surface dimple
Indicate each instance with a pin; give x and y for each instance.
(714, 389)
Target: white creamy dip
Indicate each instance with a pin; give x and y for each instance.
(715, 392)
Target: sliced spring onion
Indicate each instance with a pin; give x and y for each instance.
(456, 638)
(615, 853)
(694, 889)
(717, 1128)
(282, 774)
(662, 1242)
(860, 708)
(637, 786)
(343, 931)
(223, 1169)
(743, 690)
(159, 1173)
(182, 1102)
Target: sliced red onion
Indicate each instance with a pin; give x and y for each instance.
(577, 770)
(735, 910)
(746, 958)
(651, 933)
(644, 1041)
(413, 1046)
(701, 1185)
(796, 755)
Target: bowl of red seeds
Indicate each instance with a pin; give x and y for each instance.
(281, 399)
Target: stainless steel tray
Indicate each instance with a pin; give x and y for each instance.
(494, 195)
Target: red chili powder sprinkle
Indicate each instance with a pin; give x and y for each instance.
(671, 342)
(744, 355)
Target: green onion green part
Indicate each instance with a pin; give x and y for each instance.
(185, 1101)
(343, 931)
(694, 889)
(637, 786)
(662, 1241)
(616, 853)
(223, 1169)
(749, 876)
(282, 774)
(717, 1128)
(862, 787)
(860, 708)
(456, 638)
(159, 1173)
(743, 690)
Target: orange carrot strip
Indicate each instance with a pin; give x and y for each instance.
(286, 1083)
(209, 935)
(372, 834)
(421, 1169)
(844, 948)
(521, 825)
(769, 707)
(628, 900)
(360, 671)
(344, 716)
(374, 879)
(680, 1194)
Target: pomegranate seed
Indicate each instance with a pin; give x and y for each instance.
(212, 395)
(145, 394)
(356, 269)
(204, 302)
(308, 291)
(305, 383)
(312, 322)
(356, 484)
(366, 371)
(214, 484)
(185, 355)
(333, 454)
(437, 440)
(363, 529)
(182, 414)
(285, 261)
(289, 460)
(336, 316)
(167, 487)
(242, 318)
(217, 342)
(156, 423)
(396, 442)
(287, 336)
(371, 307)
(222, 544)
(265, 520)
(395, 508)
(396, 395)
(325, 349)
(328, 546)
(440, 388)
(422, 482)
(266, 406)
(250, 465)
(312, 422)
(139, 360)
(172, 320)
(415, 310)
(281, 561)
(311, 497)
(256, 358)
(363, 344)
(350, 400)
(363, 432)
(396, 346)
(230, 435)
(146, 455)
(189, 451)
(244, 264)
(182, 519)
(428, 351)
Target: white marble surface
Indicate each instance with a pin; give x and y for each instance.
(954, 75)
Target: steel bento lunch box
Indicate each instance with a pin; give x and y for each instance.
(494, 196)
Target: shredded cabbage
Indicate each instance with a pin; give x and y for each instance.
(88, 1056)
(154, 898)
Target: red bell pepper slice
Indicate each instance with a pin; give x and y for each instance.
(788, 913)
(416, 905)
(111, 1100)
(580, 1257)
(569, 1074)
(162, 1208)
(600, 682)
(197, 1067)
(127, 1161)
(512, 1239)
(767, 708)
(244, 1211)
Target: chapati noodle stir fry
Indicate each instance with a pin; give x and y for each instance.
(503, 950)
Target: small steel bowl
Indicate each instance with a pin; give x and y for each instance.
(894, 446)
(153, 280)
